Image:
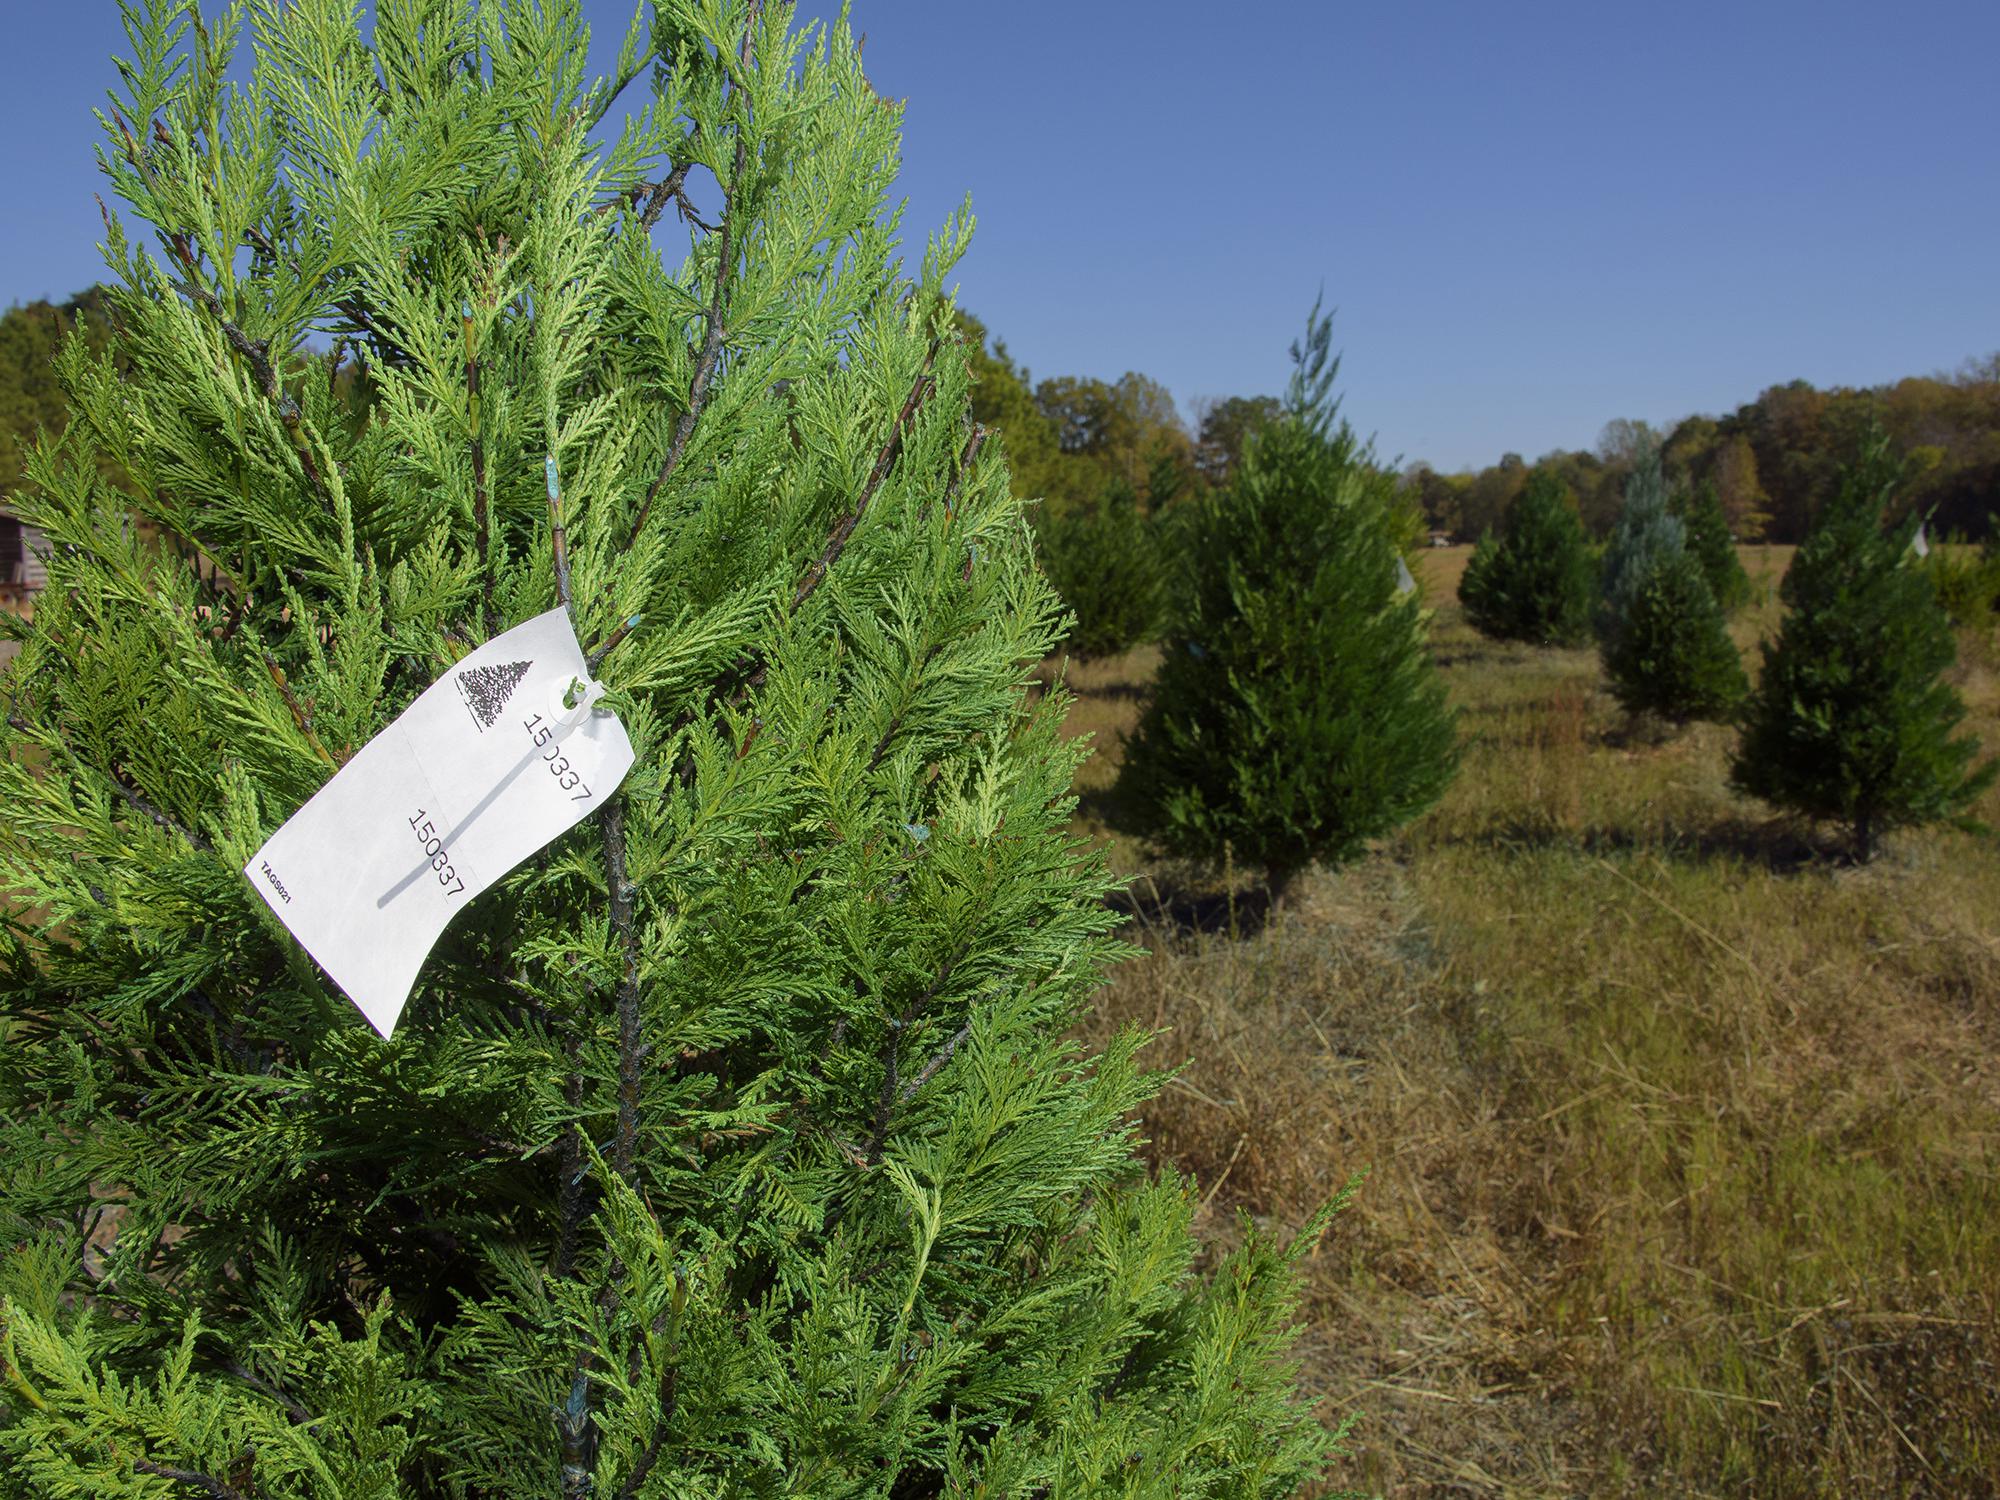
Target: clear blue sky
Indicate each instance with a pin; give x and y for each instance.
(1532, 217)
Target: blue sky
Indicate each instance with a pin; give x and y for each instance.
(1532, 217)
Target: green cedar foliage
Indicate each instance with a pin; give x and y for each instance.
(1672, 655)
(1536, 581)
(1700, 511)
(1852, 719)
(1297, 712)
(1647, 535)
(733, 1146)
(1104, 561)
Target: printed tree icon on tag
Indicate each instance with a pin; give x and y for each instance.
(487, 689)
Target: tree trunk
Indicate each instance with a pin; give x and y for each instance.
(1278, 883)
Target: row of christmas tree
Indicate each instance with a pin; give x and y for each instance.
(1851, 719)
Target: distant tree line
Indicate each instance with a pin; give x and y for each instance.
(1080, 443)
(1774, 462)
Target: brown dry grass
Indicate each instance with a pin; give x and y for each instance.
(1683, 1142)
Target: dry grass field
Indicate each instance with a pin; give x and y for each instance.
(1682, 1136)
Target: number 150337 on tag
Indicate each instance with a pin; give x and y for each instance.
(559, 767)
(440, 857)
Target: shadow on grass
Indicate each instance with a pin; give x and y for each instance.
(1183, 903)
(1778, 846)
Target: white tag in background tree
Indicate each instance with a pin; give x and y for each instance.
(487, 766)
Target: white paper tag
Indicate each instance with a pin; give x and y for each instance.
(485, 768)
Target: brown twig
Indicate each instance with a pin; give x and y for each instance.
(300, 1417)
(844, 528)
(746, 677)
(207, 1484)
(650, 1455)
(611, 642)
(558, 539)
(650, 199)
(482, 521)
(299, 714)
(125, 788)
(711, 343)
(383, 340)
(929, 1070)
(632, 1051)
(974, 441)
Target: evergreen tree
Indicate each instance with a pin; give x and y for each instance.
(1672, 654)
(1536, 580)
(1297, 713)
(733, 1145)
(1700, 511)
(1104, 561)
(1663, 638)
(1647, 535)
(1852, 719)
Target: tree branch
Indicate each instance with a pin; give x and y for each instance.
(559, 540)
(650, 200)
(299, 714)
(482, 520)
(711, 344)
(207, 1484)
(300, 1417)
(745, 678)
(929, 1070)
(126, 789)
(632, 1050)
(636, 1480)
(884, 461)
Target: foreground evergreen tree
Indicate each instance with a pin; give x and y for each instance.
(1700, 511)
(1297, 712)
(732, 1146)
(1536, 581)
(1852, 720)
(1672, 655)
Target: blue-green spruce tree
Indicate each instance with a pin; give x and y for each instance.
(734, 1145)
(1647, 534)
(1852, 720)
(1662, 636)
(1297, 712)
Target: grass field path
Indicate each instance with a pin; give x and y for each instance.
(1683, 1137)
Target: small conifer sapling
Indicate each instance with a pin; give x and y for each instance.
(1671, 655)
(1700, 512)
(1536, 580)
(1297, 712)
(1647, 535)
(1852, 720)
(1662, 637)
